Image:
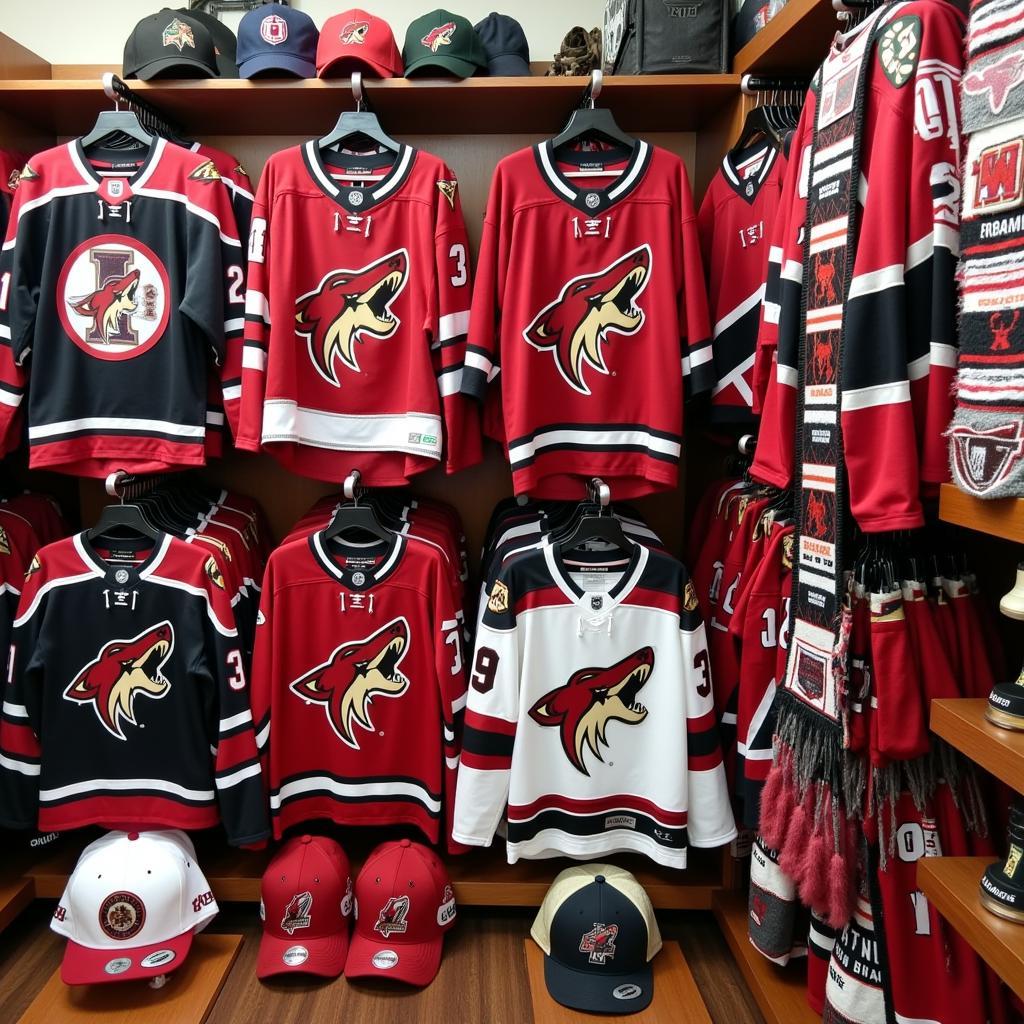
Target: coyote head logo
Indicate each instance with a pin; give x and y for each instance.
(354, 33)
(108, 304)
(122, 670)
(593, 697)
(576, 326)
(353, 675)
(346, 308)
(440, 36)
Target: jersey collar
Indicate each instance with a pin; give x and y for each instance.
(357, 579)
(136, 180)
(116, 573)
(748, 188)
(592, 201)
(356, 199)
(614, 597)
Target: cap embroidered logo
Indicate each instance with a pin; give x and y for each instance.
(273, 30)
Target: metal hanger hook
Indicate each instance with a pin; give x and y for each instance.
(596, 85)
(351, 486)
(357, 90)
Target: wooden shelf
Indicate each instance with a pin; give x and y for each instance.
(793, 42)
(1003, 517)
(963, 725)
(15, 895)
(780, 992)
(304, 107)
(951, 883)
(481, 879)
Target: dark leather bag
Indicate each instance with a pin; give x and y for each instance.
(652, 37)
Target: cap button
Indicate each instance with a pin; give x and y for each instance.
(598, 878)
(306, 840)
(132, 836)
(405, 843)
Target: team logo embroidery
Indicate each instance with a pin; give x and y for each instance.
(27, 173)
(440, 36)
(998, 80)
(817, 516)
(758, 910)
(446, 911)
(999, 176)
(296, 914)
(354, 33)
(14, 179)
(206, 172)
(985, 458)
(273, 30)
(393, 916)
(112, 297)
(213, 572)
(33, 567)
(787, 551)
(347, 308)
(123, 670)
(575, 327)
(690, 597)
(122, 915)
(898, 49)
(824, 279)
(599, 942)
(5, 543)
(179, 33)
(1001, 330)
(355, 673)
(498, 601)
(593, 697)
(448, 187)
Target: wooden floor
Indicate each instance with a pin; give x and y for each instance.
(482, 978)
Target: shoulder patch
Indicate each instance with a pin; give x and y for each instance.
(787, 551)
(27, 173)
(240, 171)
(205, 172)
(33, 567)
(5, 542)
(213, 572)
(899, 47)
(498, 601)
(690, 596)
(448, 187)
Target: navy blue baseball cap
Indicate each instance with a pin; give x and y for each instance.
(508, 52)
(276, 38)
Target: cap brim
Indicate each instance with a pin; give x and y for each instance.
(593, 993)
(325, 956)
(507, 65)
(417, 963)
(346, 63)
(456, 65)
(83, 965)
(282, 62)
(157, 67)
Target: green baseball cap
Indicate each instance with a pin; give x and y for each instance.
(442, 41)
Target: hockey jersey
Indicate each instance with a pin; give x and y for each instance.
(590, 713)
(899, 340)
(359, 685)
(357, 309)
(589, 314)
(128, 705)
(736, 221)
(119, 274)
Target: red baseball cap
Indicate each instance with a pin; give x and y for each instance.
(306, 899)
(358, 41)
(404, 905)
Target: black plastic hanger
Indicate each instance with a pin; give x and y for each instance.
(359, 122)
(356, 517)
(591, 121)
(124, 517)
(118, 122)
(758, 123)
(596, 526)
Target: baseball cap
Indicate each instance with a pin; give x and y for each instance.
(224, 41)
(166, 42)
(131, 907)
(306, 899)
(404, 905)
(275, 37)
(357, 41)
(504, 43)
(442, 41)
(599, 935)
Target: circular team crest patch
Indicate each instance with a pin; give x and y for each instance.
(118, 965)
(273, 29)
(385, 959)
(122, 915)
(294, 955)
(112, 297)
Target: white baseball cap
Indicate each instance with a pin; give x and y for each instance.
(131, 907)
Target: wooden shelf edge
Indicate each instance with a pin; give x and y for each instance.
(951, 884)
(780, 992)
(15, 896)
(1002, 518)
(787, 44)
(962, 724)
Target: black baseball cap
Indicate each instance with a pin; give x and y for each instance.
(442, 41)
(599, 934)
(504, 42)
(169, 45)
(225, 44)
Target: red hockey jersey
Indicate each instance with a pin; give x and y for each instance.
(119, 275)
(589, 313)
(358, 683)
(357, 309)
(736, 221)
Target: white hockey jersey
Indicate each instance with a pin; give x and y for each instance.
(591, 714)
